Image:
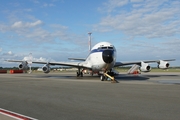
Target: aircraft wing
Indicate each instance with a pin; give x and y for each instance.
(72, 64)
(14, 60)
(80, 59)
(139, 62)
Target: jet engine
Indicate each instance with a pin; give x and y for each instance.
(145, 67)
(46, 68)
(163, 64)
(23, 65)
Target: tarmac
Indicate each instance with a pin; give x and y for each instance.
(63, 96)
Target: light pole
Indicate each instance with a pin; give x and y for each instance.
(89, 33)
(30, 62)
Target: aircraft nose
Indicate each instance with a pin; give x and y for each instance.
(107, 56)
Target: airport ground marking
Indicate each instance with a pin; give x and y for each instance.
(14, 115)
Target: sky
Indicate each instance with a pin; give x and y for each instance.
(54, 30)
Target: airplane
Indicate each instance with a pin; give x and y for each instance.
(101, 60)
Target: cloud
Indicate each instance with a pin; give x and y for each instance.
(36, 1)
(10, 53)
(43, 4)
(30, 58)
(28, 10)
(20, 28)
(48, 5)
(0, 49)
(172, 46)
(136, 0)
(35, 31)
(112, 4)
(153, 19)
(20, 24)
(41, 59)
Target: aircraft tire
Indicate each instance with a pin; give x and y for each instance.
(102, 77)
(81, 74)
(78, 74)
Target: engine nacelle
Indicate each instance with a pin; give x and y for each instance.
(23, 65)
(46, 68)
(163, 64)
(145, 67)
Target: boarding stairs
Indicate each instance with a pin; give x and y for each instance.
(133, 69)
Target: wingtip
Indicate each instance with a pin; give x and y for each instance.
(170, 60)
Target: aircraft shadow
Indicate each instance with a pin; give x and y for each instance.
(161, 75)
(120, 77)
(96, 77)
(131, 78)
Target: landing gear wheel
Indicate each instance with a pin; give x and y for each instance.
(91, 74)
(102, 77)
(81, 74)
(78, 74)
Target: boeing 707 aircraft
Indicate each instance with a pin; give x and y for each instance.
(101, 59)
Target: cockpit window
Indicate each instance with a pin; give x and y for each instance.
(110, 47)
(105, 48)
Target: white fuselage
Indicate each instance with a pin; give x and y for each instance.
(102, 57)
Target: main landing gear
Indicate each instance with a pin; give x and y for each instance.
(103, 76)
(79, 73)
(107, 75)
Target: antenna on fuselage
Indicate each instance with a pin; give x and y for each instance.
(89, 33)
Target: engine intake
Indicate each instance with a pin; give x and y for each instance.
(163, 64)
(145, 67)
(23, 65)
(46, 68)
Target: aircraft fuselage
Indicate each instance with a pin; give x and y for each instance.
(102, 57)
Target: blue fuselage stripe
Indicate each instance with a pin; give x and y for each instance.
(96, 50)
